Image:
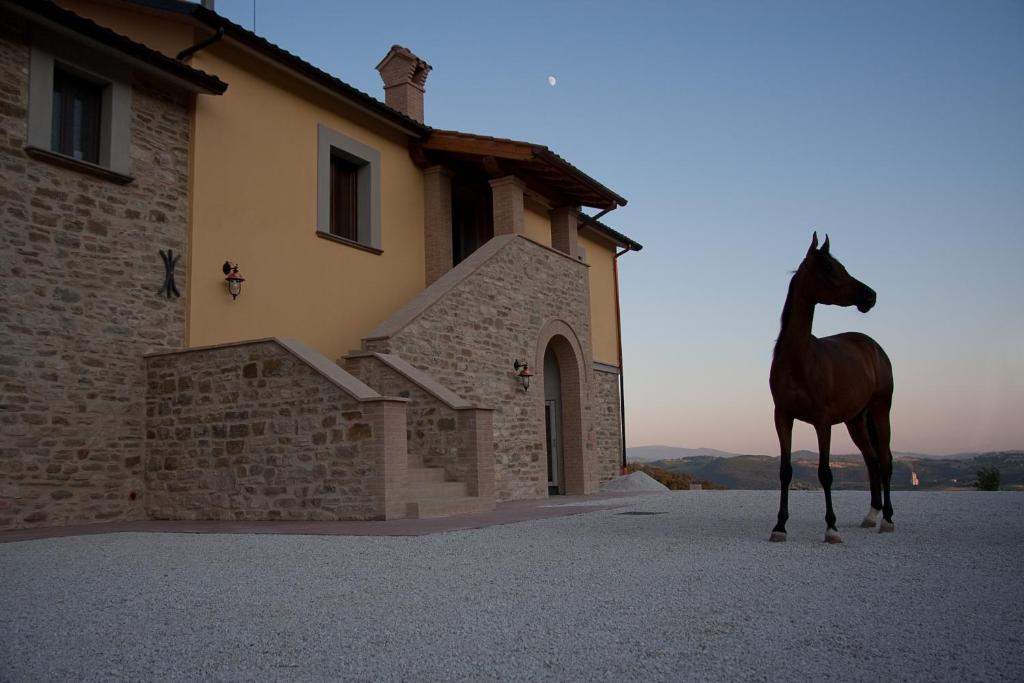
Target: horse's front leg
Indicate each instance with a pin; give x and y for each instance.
(825, 477)
(784, 428)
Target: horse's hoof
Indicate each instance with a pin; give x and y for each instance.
(870, 519)
(832, 536)
(778, 537)
(886, 527)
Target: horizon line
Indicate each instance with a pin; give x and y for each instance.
(808, 450)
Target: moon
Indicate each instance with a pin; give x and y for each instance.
(551, 81)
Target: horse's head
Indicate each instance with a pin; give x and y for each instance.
(829, 282)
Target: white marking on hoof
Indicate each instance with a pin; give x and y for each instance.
(832, 536)
(870, 519)
(886, 527)
(778, 537)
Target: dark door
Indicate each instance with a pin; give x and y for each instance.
(553, 422)
(472, 216)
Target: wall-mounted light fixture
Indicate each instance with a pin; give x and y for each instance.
(233, 278)
(523, 373)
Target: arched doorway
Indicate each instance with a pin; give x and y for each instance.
(553, 422)
(561, 415)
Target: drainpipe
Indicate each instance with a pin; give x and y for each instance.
(618, 336)
(202, 44)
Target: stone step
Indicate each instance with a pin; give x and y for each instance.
(425, 474)
(427, 508)
(437, 489)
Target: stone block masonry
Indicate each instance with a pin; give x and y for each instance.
(268, 430)
(80, 270)
(475, 320)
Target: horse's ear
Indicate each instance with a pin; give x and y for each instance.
(814, 243)
(824, 247)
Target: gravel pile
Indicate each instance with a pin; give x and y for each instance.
(692, 591)
(636, 481)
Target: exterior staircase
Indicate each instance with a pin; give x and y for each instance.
(430, 494)
(460, 477)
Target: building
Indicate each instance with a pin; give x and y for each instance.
(396, 279)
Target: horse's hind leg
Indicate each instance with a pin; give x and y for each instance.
(878, 425)
(858, 428)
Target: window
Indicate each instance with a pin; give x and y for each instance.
(348, 191)
(344, 198)
(75, 127)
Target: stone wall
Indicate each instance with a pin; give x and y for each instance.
(443, 430)
(253, 432)
(80, 269)
(607, 425)
(471, 324)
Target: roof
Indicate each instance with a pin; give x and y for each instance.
(209, 18)
(540, 167)
(47, 12)
(264, 47)
(531, 162)
(612, 234)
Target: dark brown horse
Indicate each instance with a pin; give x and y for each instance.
(843, 378)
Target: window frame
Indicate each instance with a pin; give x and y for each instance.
(330, 144)
(52, 53)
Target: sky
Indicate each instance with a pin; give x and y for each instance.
(734, 129)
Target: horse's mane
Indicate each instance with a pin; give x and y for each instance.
(787, 310)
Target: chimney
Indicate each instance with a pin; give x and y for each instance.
(404, 75)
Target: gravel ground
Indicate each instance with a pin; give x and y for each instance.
(694, 592)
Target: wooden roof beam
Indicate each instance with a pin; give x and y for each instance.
(478, 146)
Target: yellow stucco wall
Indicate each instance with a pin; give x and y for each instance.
(165, 35)
(536, 223)
(604, 331)
(254, 203)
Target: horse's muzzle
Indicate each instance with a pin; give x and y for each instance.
(867, 301)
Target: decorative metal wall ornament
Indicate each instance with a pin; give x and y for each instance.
(170, 263)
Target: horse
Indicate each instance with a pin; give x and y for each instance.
(846, 378)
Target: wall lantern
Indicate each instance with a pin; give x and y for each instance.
(523, 373)
(234, 279)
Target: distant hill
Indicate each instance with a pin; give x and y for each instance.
(652, 453)
(761, 472)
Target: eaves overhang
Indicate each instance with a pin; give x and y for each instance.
(536, 165)
(262, 47)
(63, 21)
(588, 223)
